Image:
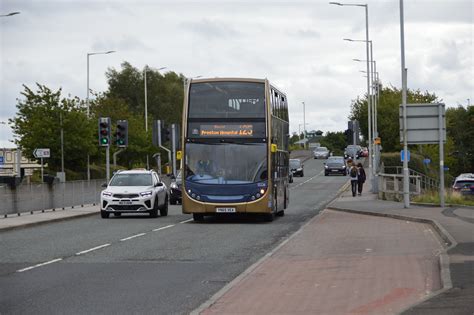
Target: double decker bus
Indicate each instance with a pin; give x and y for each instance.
(235, 155)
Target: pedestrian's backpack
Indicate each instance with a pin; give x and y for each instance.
(353, 172)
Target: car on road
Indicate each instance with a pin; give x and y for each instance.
(335, 165)
(175, 190)
(296, 167)
(352, 151)
(464, 184)
(321, 153)
(134, 191)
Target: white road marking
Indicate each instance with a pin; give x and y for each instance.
(133, 236)
(92, 249)
(39, 265)
(162, 228)
(310, 179)
(185, 221)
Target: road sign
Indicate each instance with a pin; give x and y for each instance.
(424, 123)
(426, 161)
(42, 153)
(402, 156)
(378, 141)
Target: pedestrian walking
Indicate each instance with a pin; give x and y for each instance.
(360, 178)
(353, 175)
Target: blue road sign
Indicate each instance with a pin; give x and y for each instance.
(426, 161)
(403, 155)
(446, 168)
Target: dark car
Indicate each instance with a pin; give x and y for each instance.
(335, 165)
(175, 190)
(296, 167)
(353, 151)
(464, 184)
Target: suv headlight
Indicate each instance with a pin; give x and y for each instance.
(174, 185)
(106, 194)
(146, 194)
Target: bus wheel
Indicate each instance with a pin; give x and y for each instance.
(269, 217)
(198, 217)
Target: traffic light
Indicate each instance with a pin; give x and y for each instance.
(165, 133)
(104, 131)
(121, 133)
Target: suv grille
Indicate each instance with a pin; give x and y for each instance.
(125, 207)
(125, 195)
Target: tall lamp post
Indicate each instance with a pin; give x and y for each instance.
(366, 6)
(87, 101)
(146, 107)
(304, 124)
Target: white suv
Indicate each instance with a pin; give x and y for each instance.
(134, 191)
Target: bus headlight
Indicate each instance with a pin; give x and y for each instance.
(262, 191)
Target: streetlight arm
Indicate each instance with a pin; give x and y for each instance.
(10, 14)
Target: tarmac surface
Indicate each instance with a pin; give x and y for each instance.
(388, 274)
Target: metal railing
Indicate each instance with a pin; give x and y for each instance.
(390, 186)
(426, 182)
(42, 196)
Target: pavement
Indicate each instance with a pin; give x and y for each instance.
(420, 263)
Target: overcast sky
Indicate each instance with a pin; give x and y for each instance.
(295, 44)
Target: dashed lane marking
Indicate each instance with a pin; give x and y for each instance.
(162, 228)
(308, 180)
(92, 249)
(133, 236)
(185, 221)
(40, 265)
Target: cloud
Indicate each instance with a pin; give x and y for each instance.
(210, 29)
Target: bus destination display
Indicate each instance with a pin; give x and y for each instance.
(220, 130)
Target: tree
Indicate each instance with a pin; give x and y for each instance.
(460, 129)
(164, 92)
(387, 114)
(37, 125)
(334, 141)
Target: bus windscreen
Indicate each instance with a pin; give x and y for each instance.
(227, 100)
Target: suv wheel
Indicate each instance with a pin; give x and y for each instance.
(104, 214)
(154, 211)
(164, 210)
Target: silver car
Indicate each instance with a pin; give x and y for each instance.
(321, 153)
(134, 191)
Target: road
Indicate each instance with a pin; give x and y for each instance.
(135, 264)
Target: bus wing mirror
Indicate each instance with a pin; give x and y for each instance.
(274, 148)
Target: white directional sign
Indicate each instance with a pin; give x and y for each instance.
(426, 123)
(41, 153)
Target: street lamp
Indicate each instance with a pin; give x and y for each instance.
(87, 101)
(146, 108)
(9, 14)
(304, 123)
(366, 6)
(146, 99)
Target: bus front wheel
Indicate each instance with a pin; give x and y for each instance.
(198, 217)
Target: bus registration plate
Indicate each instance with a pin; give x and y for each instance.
(225, 210)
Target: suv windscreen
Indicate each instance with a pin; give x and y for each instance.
(131, 180)
(321, 149)
(295, 164)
